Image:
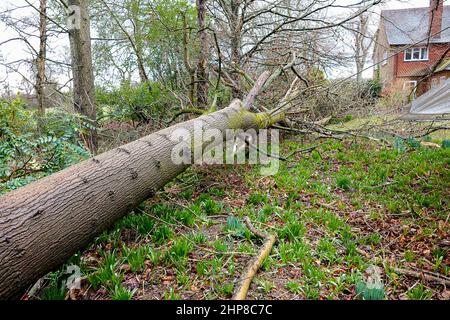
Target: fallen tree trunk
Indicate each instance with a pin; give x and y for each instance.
(46, 222)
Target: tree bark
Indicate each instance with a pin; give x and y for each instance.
(142, 73)
(363, 42)
(235, 43)
(138, 50)
(40, 79)
(46, 222)
(187, 60)
(83, 74)
(202, 72)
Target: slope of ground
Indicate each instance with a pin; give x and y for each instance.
(343, 212)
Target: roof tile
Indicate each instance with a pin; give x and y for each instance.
(407, 26)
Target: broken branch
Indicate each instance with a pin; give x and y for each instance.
(422, 275)
(253, 267)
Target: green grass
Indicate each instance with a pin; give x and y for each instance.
(226, 289)
(53, 291)
(265, 286)
(142, 223)
(294, 287)
(343, 182)
(162, 234)
(179, 251)
(171, 295)
(198, 237)
(257, 198)
(136, 257)
(409, 256)
(121, 293)
(326, 208)
(419, 292)
(106, 274)
(293, 230)
(211, 206)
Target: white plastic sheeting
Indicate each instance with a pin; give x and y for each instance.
(435, 101)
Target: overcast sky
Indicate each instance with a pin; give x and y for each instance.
(16, 50)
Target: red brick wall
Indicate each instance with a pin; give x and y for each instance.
(416, 68)
(437, 8)
(437, 76)
(424, 86)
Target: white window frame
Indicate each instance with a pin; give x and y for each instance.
(414, 85)
(422, 57)
(442, 80)
(434, 83)
(385, 58)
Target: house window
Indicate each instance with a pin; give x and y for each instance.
(416, 54)
(442, 80)
(434, 83)
(410, 87)
(385, 58)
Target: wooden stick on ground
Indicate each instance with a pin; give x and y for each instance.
(253, 267)
(421, 275)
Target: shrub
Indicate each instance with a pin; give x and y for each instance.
(25, 154)
(373, 88)
(142, 103)
(446, 144)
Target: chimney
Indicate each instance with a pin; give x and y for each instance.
(436, 11)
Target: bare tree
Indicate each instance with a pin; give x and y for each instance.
(363, 40)
(33, 33)
(40, 60)
(134, 37)
(257, 34)
(83, 75)
(202, 72)
(187, 59)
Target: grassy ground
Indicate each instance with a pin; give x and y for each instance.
(392, 122)
(340, 212)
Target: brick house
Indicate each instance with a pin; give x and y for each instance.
(405, 54)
